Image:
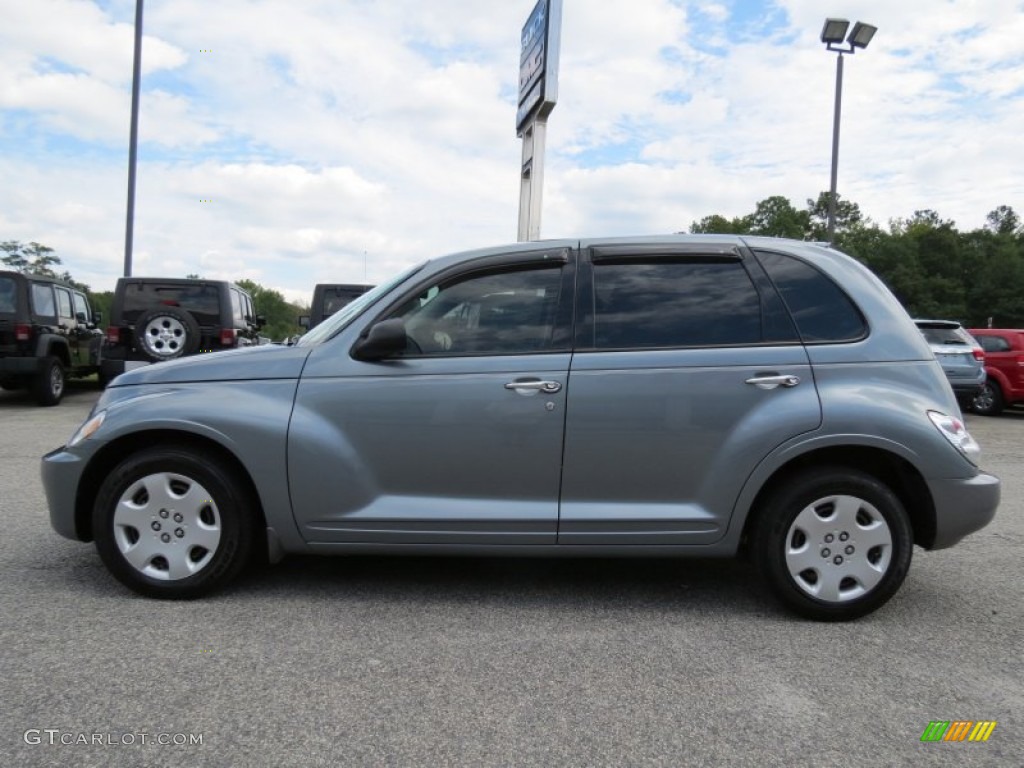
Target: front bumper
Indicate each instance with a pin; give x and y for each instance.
(62, 473)
(963, 506)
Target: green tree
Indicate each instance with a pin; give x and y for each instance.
(34, 257)
(719, 225)
(848, 217)
(776, 217)
(280, 314)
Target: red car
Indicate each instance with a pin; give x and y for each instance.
(1004, 364)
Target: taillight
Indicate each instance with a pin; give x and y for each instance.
(114, 334)
(22, 332)
(227, 337)
(979, 354)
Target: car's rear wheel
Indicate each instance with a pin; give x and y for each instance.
(170, 522)
(989, 402)
(833, 544)
(165, 333)
(50, 381)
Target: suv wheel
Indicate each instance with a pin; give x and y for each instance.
(834, 544)
(50, 381)
(165, 333)
(173, 523)
(989, 402)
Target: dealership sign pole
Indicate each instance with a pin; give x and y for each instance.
(538, 91)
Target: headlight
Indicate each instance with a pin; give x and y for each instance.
(88, 429)
(954, 430)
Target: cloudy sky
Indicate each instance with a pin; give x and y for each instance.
(301, 141)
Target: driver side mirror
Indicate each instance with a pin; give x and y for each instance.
(383, 339)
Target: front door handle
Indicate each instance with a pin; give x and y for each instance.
(771, 381)
(533, 386)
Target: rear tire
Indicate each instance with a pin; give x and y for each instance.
(50, 381)
(989, 402)
(833, 543)
(174, 523)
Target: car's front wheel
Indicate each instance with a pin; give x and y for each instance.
(171, 523)
(833, 544)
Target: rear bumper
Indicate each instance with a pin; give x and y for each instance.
(963, 507)
(19, 366)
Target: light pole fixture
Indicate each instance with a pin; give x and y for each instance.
(833, 35)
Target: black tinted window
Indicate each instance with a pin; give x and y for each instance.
(821, 310)
(678, 303)
(203, 301)
(500, 313)
(7, 295)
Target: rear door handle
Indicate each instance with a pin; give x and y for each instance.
(533, 386)
(771, 381)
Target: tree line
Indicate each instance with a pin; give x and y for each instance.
(281, 315)
(934, 269)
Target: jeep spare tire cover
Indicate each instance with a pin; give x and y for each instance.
(164, 333)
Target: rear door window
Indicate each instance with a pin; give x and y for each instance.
(684, 302)
(64, 303)
(994, 343)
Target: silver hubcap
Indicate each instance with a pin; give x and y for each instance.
(164, 336)
(984, 398)
(838, 548)
(56, 381)
(167, 526)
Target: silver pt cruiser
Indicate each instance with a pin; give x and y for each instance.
(670, 397)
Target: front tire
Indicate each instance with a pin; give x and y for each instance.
(173, 523)
(833, 544)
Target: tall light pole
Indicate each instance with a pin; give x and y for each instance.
(133, 140)
(833, 35)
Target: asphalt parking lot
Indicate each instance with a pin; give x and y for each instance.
(413, 662)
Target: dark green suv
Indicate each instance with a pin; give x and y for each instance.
(48, 333)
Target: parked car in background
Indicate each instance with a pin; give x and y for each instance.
(48, 333)
(960, 355)
(1004, 366)
(154, 319)
(328, 298)
(679, 396)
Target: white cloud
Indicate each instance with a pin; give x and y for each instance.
(339, 139)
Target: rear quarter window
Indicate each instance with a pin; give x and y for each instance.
(8, 302)
(42, 300)
(821, 309)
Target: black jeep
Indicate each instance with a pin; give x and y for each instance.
(153, 319)
(328, 298)
(48, 333)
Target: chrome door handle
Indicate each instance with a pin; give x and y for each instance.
(532, 387)
(773, 381)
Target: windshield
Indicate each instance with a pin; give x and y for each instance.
(350, 311)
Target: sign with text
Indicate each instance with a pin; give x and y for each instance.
(538, 62)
